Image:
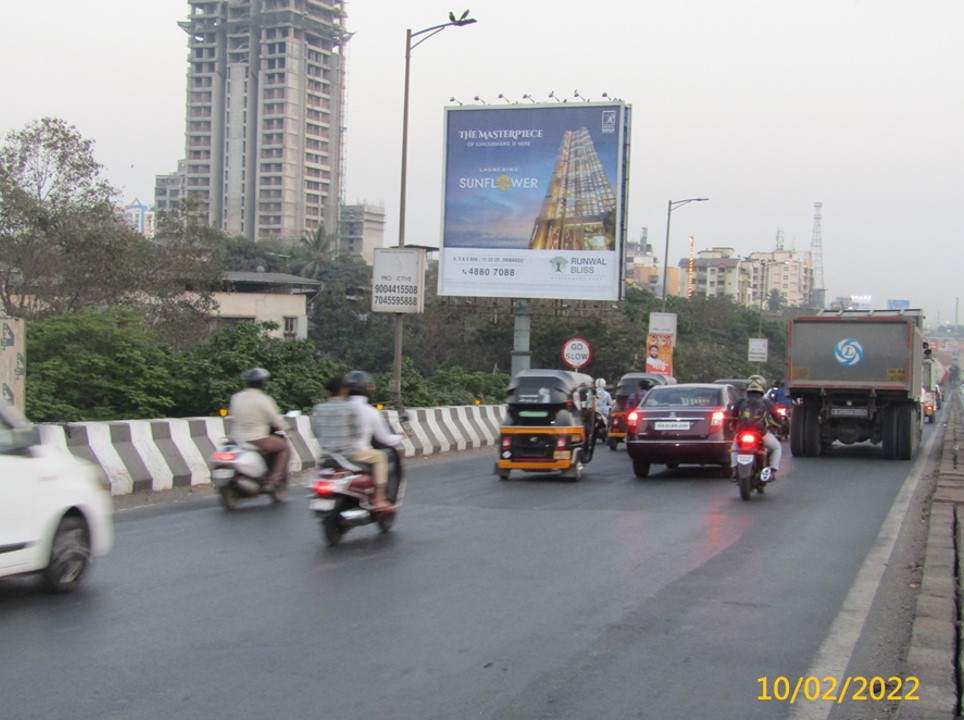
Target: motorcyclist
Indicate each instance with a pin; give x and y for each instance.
(371, 426)
(756, 412)
(255, 418)
(604, 400)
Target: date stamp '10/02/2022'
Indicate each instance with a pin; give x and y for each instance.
(829, 689)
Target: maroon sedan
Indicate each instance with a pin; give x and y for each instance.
(685, 424)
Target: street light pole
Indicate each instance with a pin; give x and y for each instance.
(409, 46)
(672, 205)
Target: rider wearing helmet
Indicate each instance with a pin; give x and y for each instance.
(757, 412)
(255, 417)
(371, 425)
(604, 400)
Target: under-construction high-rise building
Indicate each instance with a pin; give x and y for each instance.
(265, 96)
(579, 211)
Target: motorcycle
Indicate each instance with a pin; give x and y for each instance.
(239, 470)
(342, 495)
(752, 472)
(783, 411)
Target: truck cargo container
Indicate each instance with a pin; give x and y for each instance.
(856, 376)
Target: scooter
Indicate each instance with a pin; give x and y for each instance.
(343, 492)
(239, 470)
(752, 472)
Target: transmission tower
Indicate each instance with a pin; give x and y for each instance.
(817, 295)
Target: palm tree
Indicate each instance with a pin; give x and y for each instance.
(314, 251)
(776, 302)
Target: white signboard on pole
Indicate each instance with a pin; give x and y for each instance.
(758, 350)
(661, 323)
(398, 280)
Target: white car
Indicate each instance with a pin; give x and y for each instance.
(55, 509)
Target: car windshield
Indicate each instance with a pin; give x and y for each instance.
(683, 397)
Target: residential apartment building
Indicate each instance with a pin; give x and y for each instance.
(264, 114)
(362, 230)
(749, 281)
(169, 189)
(140, 218)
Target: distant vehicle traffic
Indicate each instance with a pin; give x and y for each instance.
(738, 383)
(627, 385)
(55, 509)
(682, 424)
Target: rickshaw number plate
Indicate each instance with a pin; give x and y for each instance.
(744, 459)
(561, 455)
(672, 425)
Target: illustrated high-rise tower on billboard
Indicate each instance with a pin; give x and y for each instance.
(579, 210)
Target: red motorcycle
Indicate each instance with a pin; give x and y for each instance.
(752, 472)
(342, 495)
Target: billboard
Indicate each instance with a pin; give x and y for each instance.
(534, 201)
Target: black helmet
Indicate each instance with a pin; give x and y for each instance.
(359, 382)
(255, 377)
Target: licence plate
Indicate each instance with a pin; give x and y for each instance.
(220, 476)
(744, 459)
(320, 505)
(561, 455)
(672, 425)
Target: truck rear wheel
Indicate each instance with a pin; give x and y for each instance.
(797, 424)
(811, 431)
(906, 431)
(888, 432)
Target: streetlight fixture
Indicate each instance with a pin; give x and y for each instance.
(673, 204)
(426, 33)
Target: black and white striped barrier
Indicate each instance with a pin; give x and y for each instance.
(150, 455)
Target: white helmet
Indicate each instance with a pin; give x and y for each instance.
(600, 383)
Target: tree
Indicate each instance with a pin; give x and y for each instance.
(53, 205)
(64, 246)
(97, 365)
(313, 252)
(776, 301)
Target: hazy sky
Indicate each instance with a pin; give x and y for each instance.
(763, 106)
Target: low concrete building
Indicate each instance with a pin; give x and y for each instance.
(254, 297)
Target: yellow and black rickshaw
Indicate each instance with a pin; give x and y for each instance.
(549, 423)
(627, 385)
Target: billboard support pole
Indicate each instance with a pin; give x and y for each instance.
(521, 357)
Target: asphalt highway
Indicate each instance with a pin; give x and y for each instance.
(530, 598)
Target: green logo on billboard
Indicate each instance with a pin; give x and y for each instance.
(558, 263)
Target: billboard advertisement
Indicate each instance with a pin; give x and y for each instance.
(659, 354)
(534, 201)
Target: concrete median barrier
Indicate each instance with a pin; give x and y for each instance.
(152, 455)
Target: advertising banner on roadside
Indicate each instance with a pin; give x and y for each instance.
(534, 201)
(659, 353)
(13, 365)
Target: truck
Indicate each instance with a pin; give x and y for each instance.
(856, 376)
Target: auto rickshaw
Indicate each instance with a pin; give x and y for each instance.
(627, 385)
(549, 424)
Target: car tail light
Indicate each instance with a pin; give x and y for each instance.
(632, 420)
(716, 420)
(506, 442)
(225, 456)
(561, 442)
